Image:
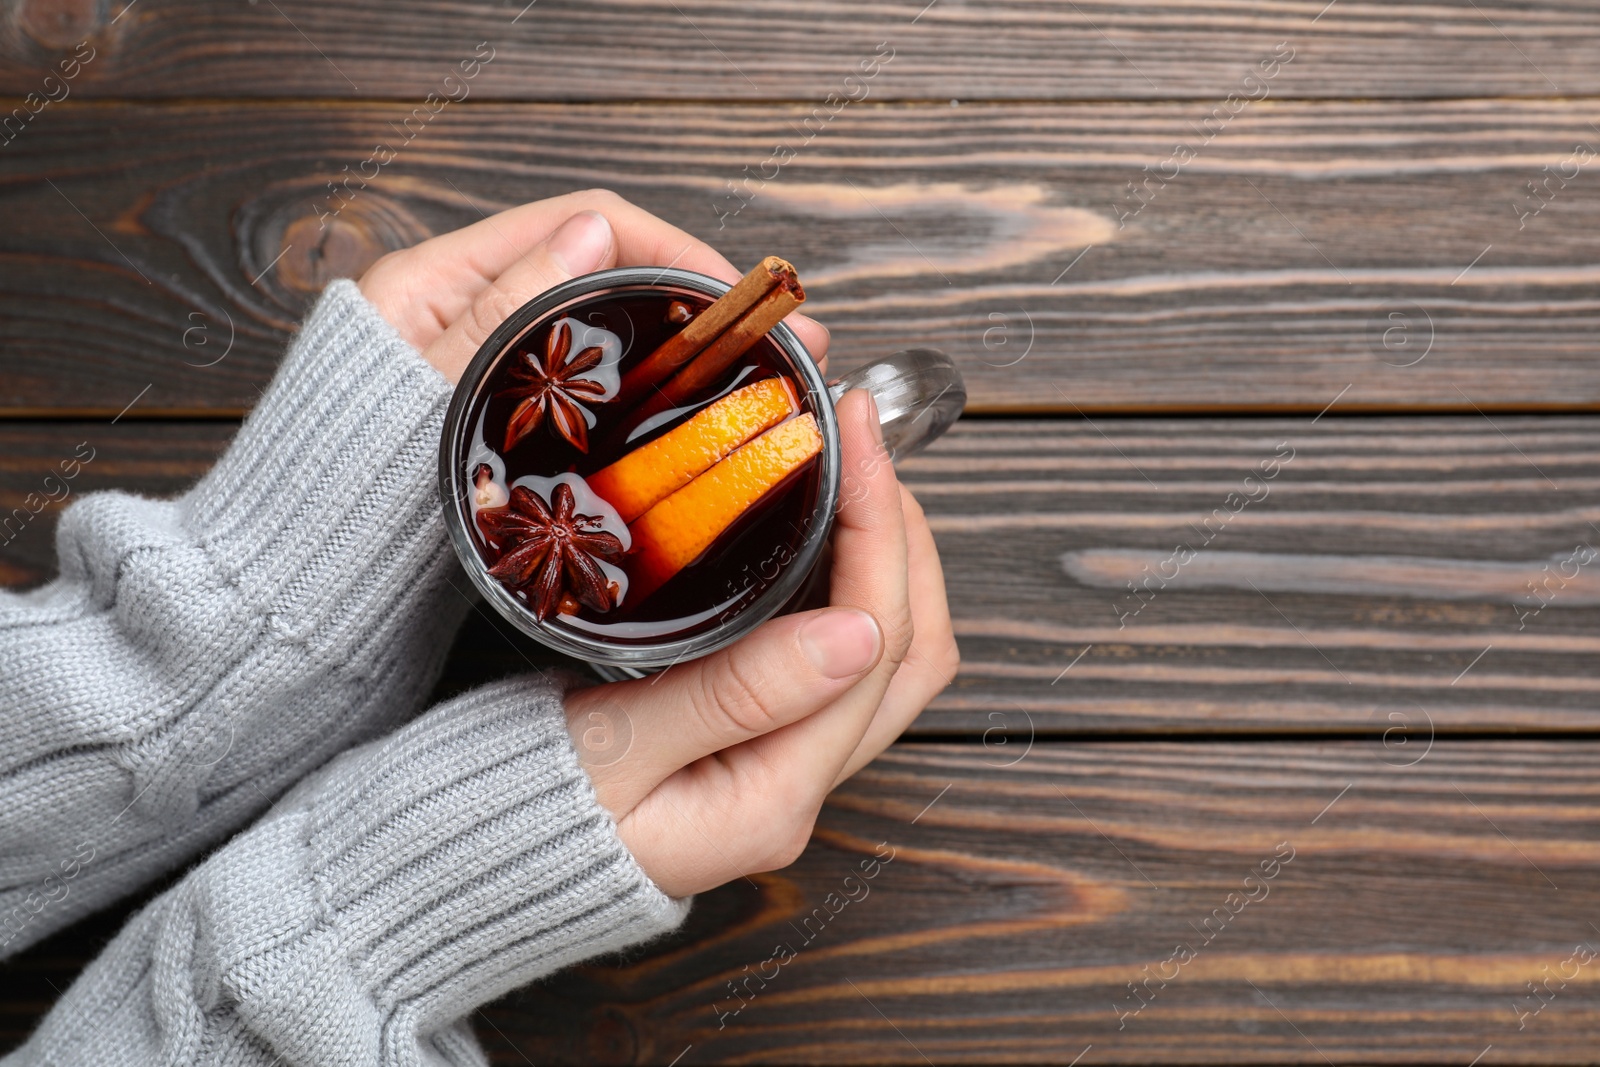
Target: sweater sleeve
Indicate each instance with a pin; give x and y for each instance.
(197, 656)
(378, 904)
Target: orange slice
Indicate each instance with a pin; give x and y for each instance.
(652, 472)
(670, 535)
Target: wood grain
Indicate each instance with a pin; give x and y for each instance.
(1391, 572)
(1367, 250)
(1378, 583)
(765, 49)
(1008, 186)
(1017, 909)
(1020, 901)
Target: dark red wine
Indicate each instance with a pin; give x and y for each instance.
(549, 417)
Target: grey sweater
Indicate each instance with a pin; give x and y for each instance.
(198, 657)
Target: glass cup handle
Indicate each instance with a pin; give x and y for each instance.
(919, 393)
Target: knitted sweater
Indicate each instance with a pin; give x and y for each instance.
(198, 657)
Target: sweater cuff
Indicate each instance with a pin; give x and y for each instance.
(463, 857)
(338, 462)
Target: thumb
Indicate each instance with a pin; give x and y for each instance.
(582, 244)
(785, 670)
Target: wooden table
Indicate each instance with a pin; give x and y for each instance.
(1175, 248)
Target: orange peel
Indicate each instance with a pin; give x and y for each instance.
(652, 472)
(676, 531)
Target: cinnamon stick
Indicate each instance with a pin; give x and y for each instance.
(770, 274)
(734, 342)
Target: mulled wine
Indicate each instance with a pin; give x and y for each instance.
(636, 478)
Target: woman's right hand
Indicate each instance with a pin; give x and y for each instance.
(727, 759)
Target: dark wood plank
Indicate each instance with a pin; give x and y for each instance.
(1379, 580)
(764, 49)
(1016, 909)
(1308, 249)
(1390, 572)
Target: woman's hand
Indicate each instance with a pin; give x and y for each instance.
(727, 759)
(447, 294)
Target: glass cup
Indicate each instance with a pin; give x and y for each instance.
(919, 393)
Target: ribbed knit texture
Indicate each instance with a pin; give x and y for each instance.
(197, 657)
(383, 899)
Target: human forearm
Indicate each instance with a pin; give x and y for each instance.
(197, 656)
(378, 904)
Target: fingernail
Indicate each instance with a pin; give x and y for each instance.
(580, 244)
(872, 418)
(841, 642)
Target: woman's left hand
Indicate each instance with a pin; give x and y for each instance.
(447, 294)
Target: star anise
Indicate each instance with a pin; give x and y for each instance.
(553, 388)
(548, 553)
